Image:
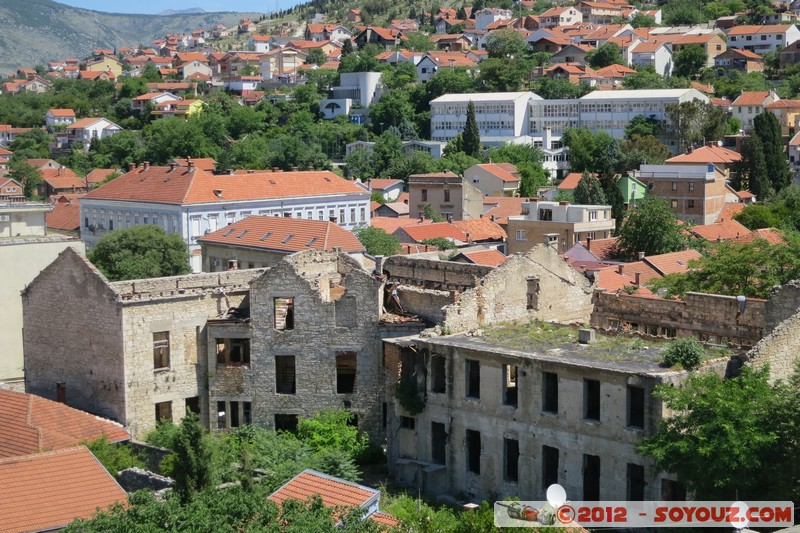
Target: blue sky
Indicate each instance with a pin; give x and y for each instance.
(154, 6)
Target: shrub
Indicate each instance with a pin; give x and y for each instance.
(686, 352)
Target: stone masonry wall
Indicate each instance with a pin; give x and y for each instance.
(432, 274)
(73, 335)
(780, 350)
(709, 317)
(562, 294)
(425, 303)
(782, 304)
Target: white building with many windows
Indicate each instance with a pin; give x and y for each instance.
(192, 203)
(498, 114)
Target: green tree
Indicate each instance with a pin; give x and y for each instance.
(377, 241)
(683, 12)
(528, 160)
(431, 213)
(32, 144)
(506, 44)
(640, 20)
(502, 75)
(28, 176)
(472, 135)
(555, 88)
(360, 164)
(642, 149)
(686, 352)
(442, 243)
(393, 107)
(589, 191)
(316, 56)
(192, 458)
(651, 227)
(693, 122)
(140, 252)
(729, 439)
(332, 429)
(641, 125)
(417, 42)
(114, 457)
(767, 128)
(752, 169)
(689, 60)
(606, 54)
(347, 47)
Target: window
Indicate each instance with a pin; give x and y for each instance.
(674, 204)
(591, 478)
(424, 195)
(164, 411)
(591, 399)
(635, 482)
(510, 396)
(550, 392)
(690, 204)
(635, 407)
(285, 374)
(286, 423)
(222, 415)
(691, 186)
(545, 215)
(473, 451)
(353, 215)
(247, 413)
(406, 422)
(549, 466)
(447, 195)
(472, 370)
(674, 185)
(522, 235)
(672, 491)
(438, 376)
(234, 414)
(438, 443)
(345, 372)
(161, 350)
(233, 351)
(511, 459)
(363, 214)
(284, 314)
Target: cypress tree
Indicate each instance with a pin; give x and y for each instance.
(767, 128)
(754, 167)
(472, 135)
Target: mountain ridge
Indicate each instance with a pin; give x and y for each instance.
(38, 31)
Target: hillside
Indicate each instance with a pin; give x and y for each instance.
(35, 31)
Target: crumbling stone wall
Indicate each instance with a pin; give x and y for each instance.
(133, 479)
(425, 303)
(709, 317)
(537, 285)
(780, 349)
(783, 303)
(433, 274)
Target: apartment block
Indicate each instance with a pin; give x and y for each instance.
(451, 195)
(557, 224)
(497, 114)
(696, 193)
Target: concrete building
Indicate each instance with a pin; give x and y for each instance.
(131, 351)
(450, 195)
(656, 54)
(486, 16)
(511, 419)
(558, 224)
(751, 103)
(763, 39)
(494, 179)
(355, 88)
(192, 203)
(560, 16)
(86, 130)
(497, 114)
(696, 193)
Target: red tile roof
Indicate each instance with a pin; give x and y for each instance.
(772, 235)
(30, 423)
(62, 178)
(615, 71)
(611, 280)
(501, 172)
(720, 231)
(570, 181)
(672, 263)
(729, 209)
(751, 30)
(391, 224)
(489, 257)
(751, 98)
(283, 234)
(49, 490)
(99, 175)
(381, 184)
(333, 491)
(708, 154)
(384, 519)
(85, 123)
(434, 230)
(184, 186)
(603, 249)
(480, 229)
(66, 214)
(66, 113)
(203, 163)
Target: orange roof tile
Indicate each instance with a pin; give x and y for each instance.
(391, 224)
(286, 235)
(611, 280)
(720, 231)
(501, 172)
(570, 181)
(751, 98)
(602, 249)
(490, 257)
(480, 229)
(333, 491)
(49, 490)
(772, 235)
(379, 184)
(184, 186)
(672, 263)
(615, 71)
(751, 30)
(729, 209)
(62, 113)
(65, 216)
(203, 163)
(99, 175)
(434, 230)
(62, 178)
(85, 123)
(708, 154)
(502, 207)
(30, 423)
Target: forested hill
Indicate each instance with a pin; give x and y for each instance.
(36, 31)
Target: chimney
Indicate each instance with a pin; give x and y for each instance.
(563, 203)
(449, 218)
(61, 392)
(636, 278)
(369, 184)
(233, 264)
(641, 256)
(619, 269)
(276, 169)
(131, 167)
(421, 217)
(230, 172)
(171, 167)
(190, 164)
(491, 218)
(146, 166)
(589, 243)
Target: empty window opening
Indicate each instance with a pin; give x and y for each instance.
(234, 410)
(61, 392)
(672, 491)
(550, 392)
(247, 413)
(222, 415)
(407, 422)
(284, 313)
(549, 466)
(635, 482)
(473, 378)
(161, 350)
(591, 399)
(345, 372)
(545, 215)
(193, 404)
(233, 351)
(591, 478)
(164, 411)
(635, 407)
(385, 414)
(286, 423)
(438, 443)
(473, 451)
(511, 459)
(438, 376)
(284, 374)
(533, 293)
(510, 395)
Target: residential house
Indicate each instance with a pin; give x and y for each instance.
(390, 189)
(794, 157)
(260, 44)
(601, 12)
(560, 16)
(404, 25)
(11, 190)
(282, 64)
(696, 193)
(449, 194)
(49, 491)
(100, 75)
(327, 32)
(480, 255)
(712, 153)
(486, 16)
(57, 117)
(712, 43)
(377, 35)
(87, 130)
(789, 55)
(104, 63)
(631, 189)
(433, 62)
(612, 76)
(247, 26)
(355, 88)
(494, 179)
(720, 231)
(60, 180)
(65, 218)
(548, 40)
(150, 100)
(787, 112)
(763, 39)
(193, 69)
(451, 42)
(742, 60)
(178, 108)
(557, 224)
(654, 53)
(751, 103)
(196, 203)
(354, 16)
(572, 53)
(242, 84)
(462, 234)
(263, 241)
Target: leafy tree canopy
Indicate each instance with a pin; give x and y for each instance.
(377, 241)
(140, 252)
(604, 55)
(651, 227)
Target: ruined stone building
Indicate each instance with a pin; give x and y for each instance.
(510, 422)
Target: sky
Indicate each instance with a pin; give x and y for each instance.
(154, 6)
